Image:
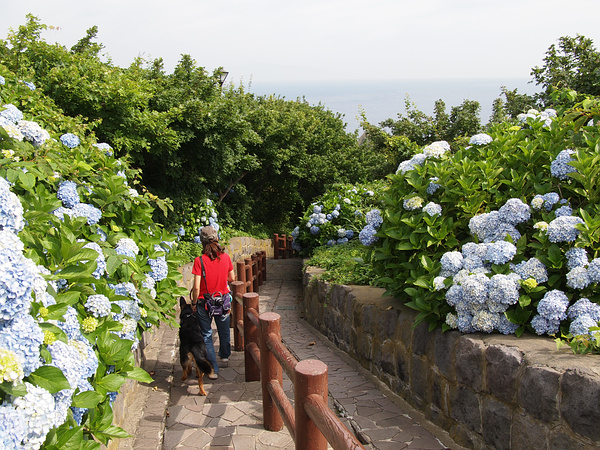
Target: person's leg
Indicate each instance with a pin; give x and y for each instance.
(205, 322)
(223, 323)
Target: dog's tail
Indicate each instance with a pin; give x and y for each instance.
(202, 362)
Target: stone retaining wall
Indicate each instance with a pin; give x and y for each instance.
(237, 248)
(488, 391)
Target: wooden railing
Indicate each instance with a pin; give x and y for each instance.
(311, 423)
(282, 246)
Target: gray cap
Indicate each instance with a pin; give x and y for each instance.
(208, 235)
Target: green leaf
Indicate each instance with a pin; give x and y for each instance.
(139, 374)
(112, 382)
(17, 391)
(50, 378)
(87, 399)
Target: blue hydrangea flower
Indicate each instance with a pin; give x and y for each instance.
(17, 275)
(581, 326)
(564, 211)
(2, 81)
(484, 321)
(500, 252)
(314, 229)
(514, 211)
(100, 260)
(127, 247)
(451, 263)
(70, 324)
(349, 234)
(11, 113)
(584, 307)
(475, 288)
(480, 139)
(410, 164)
(23, 336)
(343, 240)
(532, 268)
(67, 193)
(29, 84)
(454, 295)
(553, 306)
(108, 150)
(432, 186)
(433, 209)
(98, 304)
(367, 235)
(37, 408)
(436, 149)
(13, 428)
(576, 257)
(335, 213)
(33, 132)
(413, 203)
(542, 325)
(562, 229)
(594, 270)
(505, 326)
(181, 231)
(503, 289)
(317, 209)
(577, 278)
(160, 268)
(550, 199)
(90, 212)
(197, 240)
(70, 140)
(11, 210)
(374, 218)
(474, 250)
(560, 167)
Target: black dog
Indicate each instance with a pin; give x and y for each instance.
(191, 346)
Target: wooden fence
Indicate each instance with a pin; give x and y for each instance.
(282, 246)
(311, 423)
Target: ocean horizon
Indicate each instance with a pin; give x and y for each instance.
(381, 100)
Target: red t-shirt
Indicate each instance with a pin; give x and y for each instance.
(216, 274)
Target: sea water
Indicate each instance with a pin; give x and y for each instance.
(381, 100)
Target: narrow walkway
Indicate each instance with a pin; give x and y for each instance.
(171, 414)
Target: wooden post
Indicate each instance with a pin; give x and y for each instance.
(275, 246)
(237, 314)
(251, 335)
(270, 369)
(263, 255)
(248, 277)
(241, 274)
(310, 378)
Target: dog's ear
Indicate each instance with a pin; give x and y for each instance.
(182, 302)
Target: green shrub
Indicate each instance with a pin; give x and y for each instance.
(344, 264)
(471, 266)
(336, 217)
(84, 272)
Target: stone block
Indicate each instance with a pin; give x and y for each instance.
(580, 403)
(469, 362)
(503, 368)
(402, 357)
(465, 407)
(539, 393)
(370, 318)
(527, 433)
(444, 351)
(561, 439)
(496, 418)
(364, 346)
(386, 324)
(421, 339)
(419, 380)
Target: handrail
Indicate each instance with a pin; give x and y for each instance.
(311, 423)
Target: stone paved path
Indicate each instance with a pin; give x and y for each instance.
(171, 414)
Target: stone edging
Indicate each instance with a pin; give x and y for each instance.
(488, 391)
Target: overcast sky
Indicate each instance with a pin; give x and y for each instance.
(268, 40)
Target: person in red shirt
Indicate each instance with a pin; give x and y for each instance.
(219, 272)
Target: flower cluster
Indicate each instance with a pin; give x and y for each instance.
(497, 225)
(560, 167)
(480, 139)
(434, 150)
(546, 116)
(70, 140)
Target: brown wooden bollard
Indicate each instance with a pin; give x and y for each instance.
(270, 369)
(255, 274)
(275, 246)
(310, 378)
(241, 274)
(288, 247)
(248, 276)
(263, 255)
(251, 336)
(237, 314)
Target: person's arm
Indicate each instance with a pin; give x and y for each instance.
(196, 288)
(231, 276)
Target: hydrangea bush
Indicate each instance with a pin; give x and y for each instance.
(502, 235)
(84, 271)
(338, 216)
